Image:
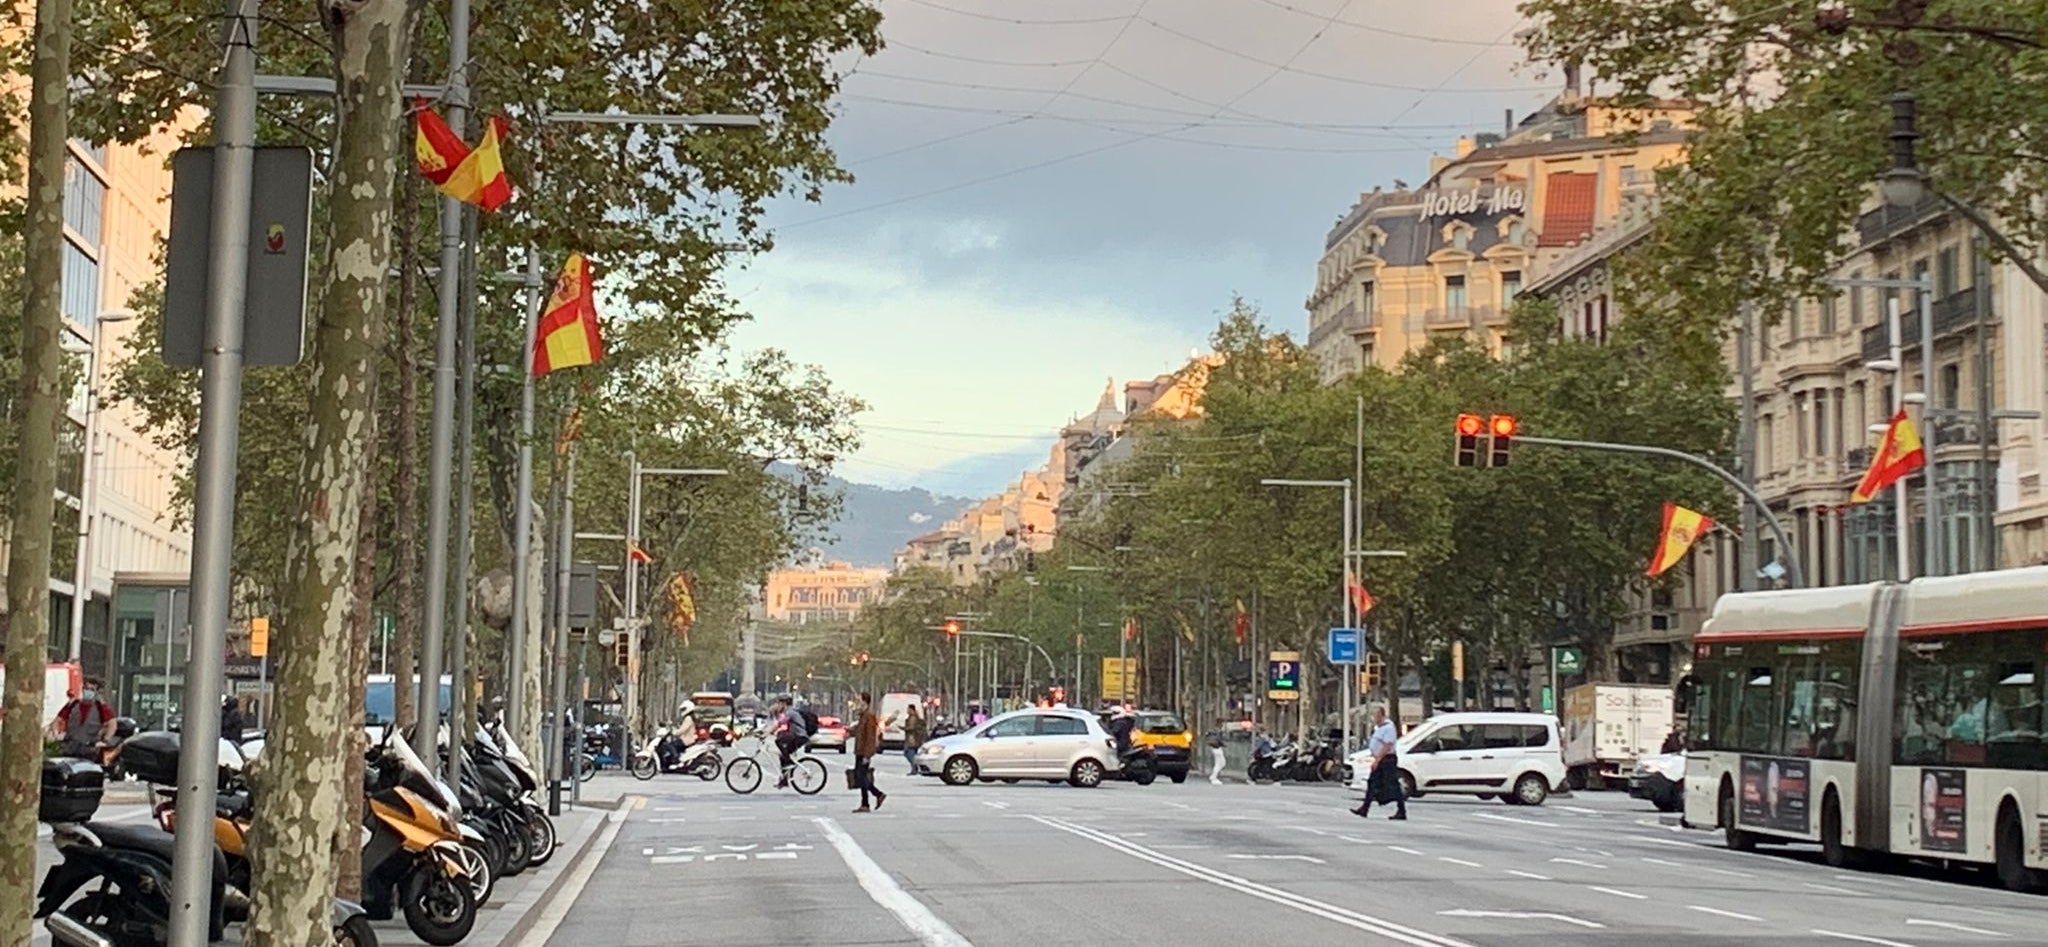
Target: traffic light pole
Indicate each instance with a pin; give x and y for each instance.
(1793, 575)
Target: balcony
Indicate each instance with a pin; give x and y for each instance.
(1887, 221)
(1952, 313)
(1464, 317)
(1347, 320)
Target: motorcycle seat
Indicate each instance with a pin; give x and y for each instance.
(146, 838)
(232, 805)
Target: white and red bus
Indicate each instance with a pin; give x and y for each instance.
(1885, 718)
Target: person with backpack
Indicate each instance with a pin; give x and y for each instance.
(86, 722)
(793, 729)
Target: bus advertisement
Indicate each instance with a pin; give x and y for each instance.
(1903, 719)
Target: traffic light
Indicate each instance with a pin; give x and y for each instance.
(1503, 429)
(622, 651)
(952, 628)
(1469, 429)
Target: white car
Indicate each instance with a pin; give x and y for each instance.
(1518, 757)
(1055, 745)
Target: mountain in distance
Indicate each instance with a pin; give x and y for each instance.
(875, 521)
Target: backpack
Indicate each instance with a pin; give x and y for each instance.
(810, 719)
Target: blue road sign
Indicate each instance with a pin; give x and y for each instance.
(1345, 645)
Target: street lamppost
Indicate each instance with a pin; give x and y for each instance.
(633, 622)
(88, 490)
(1343, 575)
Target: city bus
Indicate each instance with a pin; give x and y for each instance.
(1885, 718)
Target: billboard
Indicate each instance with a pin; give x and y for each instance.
(1775, 795)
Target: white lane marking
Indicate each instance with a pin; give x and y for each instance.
(1672, 841)
(1881, 942)
(1581, 809)
(1361, 841)
(1617, 892)
(1532, 876)
(1581, 864)
(1459, 861)
(1523, 915)
(1180, 805)
(994, 804)
(556, 909)
(1668, 863)
(1868, 881)
(1955, 927)
(669, 808)
(1703, 909)
(910, 912)
(1508, 818)
(673, 821)
(1330, 912)
(1831, 889)
(1278, 858)
(1312, 830)
(1404, 851)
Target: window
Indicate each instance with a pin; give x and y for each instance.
(1856, 301)
(1601, 328)
(1887, 297)
(1827, 313)
(1366, 300)
(1022, 726)
(1510, 287)
(1945, 273)
(1820, 423)
(1951, 386)
(1764, 435)
(80, 291)
(85, 197)
(1801, 410)
(1365, 355)
(1055, 725)
(1454, 294)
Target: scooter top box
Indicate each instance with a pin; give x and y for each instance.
(152, 757)
(72, 789)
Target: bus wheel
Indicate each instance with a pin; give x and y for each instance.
(1832, 850)
(1734, 838)
(2012, 854)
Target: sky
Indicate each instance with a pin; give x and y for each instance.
(1053, 193)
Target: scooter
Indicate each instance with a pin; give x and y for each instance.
(667, 754)
(1137, 764)
(415, 855)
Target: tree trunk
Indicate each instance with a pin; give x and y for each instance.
(299, 809)
(406, 478)
(348, 850)
(35, 469)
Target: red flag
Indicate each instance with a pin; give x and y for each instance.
(636, 554)
(1131, 629)
(1361, 600)
(1241, 623)
(1898, 454)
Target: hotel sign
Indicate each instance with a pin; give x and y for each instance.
(1459, 203)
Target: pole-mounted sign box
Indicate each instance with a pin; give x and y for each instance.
(280, 215)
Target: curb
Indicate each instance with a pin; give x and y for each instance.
(520, 928)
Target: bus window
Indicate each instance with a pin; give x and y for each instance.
(1923, 711)
(1756, 706)
(2014, 741)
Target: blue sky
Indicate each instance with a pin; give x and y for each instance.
(1053, 193)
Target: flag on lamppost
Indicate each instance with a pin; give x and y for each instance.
(568, 334)
(1682, 528)
(1186, 630)
(1131, 628)
(470, 175)
(636, 554)
(1898, 455)
(1241, 622)
(1361, 600)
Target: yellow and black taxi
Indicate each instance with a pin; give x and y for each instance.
(1168, 735)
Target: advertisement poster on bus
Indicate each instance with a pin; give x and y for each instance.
(1774, 794)
(1943, 804)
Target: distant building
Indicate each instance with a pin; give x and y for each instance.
(821, 592)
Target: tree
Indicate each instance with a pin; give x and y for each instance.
(1793, 125)
(32, 504)
(299, 810)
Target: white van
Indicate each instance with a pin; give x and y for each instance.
(893, 708)
(1517, 757)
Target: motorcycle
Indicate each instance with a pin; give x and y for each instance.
(415, 855)
(1274, 766)
(667, 754)
(130, 904)
(1137, 764)
(539, 827)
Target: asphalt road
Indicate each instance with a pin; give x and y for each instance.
(1031, 864)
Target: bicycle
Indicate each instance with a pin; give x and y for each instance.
(807, 773)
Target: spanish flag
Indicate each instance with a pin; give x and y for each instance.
(436, 147)
(1241, 622)
(568, 336)
(1361, 600)
(636, 554)
(1682, 528)
(470, 175)
(1131, 629)
(1898, 455)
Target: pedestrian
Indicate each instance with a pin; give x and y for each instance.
(1383, 784)
(913, 736)
(792, 734)
(1215, 742)
(86, 722)
(231, 719)
(867, 741)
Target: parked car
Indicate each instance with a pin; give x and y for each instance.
(831, 734)
(1661, 781)
(1056, 745)
(1515, 756)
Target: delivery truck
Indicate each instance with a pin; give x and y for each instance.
(1608, 727)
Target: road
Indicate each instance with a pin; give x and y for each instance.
(1031, 864)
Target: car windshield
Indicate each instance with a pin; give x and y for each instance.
(1160, 723)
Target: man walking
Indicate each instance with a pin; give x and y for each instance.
(913, 737)
(1215, 742)
(1384, 783)
(867, 741)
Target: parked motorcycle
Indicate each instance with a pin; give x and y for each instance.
(415, 859)
(539, 827)
(667, 754)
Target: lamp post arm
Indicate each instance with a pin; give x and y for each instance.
(1998, 239)
(1785, 548)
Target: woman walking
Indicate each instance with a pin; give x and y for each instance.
(913, 737)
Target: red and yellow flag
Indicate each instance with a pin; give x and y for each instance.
(470, 175)
(636, 554)
(1131, 629)
(1898, 455)
(1361, 600)
(1241, 622)
(1682, 528)
(572, 428)
(568, 336)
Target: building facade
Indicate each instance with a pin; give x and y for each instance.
(1403, 266)
(822, 592)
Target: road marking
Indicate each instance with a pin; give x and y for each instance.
(1703, 909)
(1181, 805)
(1404, 851)
(1279, 858)
(1859, 937)
(1532, 876)
(670, 808)
(1361, 841)
(994, 804)
(1508, 818)
(880, 886)
(556, 908)
(1668, 863)
(1617, 892)
(1593, 851)
(1459, 861)
(1671, 841)
(1345, 916)
(1868, 881)
(1581, 809)
(1955, 927)
(1523, 915)
(675, 821)
(1312, 830)
(1581, 864)
(1831, 889)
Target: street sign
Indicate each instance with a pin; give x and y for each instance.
(1344, 645)
(1568, 659)
(278, 234)
(1119, 678)
(1283, 675)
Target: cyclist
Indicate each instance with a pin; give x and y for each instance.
(792, 733)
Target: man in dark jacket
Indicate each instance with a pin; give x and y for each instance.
(867, 741)
(231, 722)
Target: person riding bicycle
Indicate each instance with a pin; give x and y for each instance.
(792, 733)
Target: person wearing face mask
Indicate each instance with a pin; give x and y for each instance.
(86, 722)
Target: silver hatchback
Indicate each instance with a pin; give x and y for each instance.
(1056, 745)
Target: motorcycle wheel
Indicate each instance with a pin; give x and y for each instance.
(644, 767)
(481, 880)
(710, 766)
(586, 767)
(494, 849)
(1261, 772)
(518, 845)
(540, 832)
(438, 909)
(355, 932)
(1329, 771)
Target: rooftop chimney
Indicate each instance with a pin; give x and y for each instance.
(1464, 145)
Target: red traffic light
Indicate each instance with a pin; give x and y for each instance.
(1503, 425)
(952, 628)
(1469, 425)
